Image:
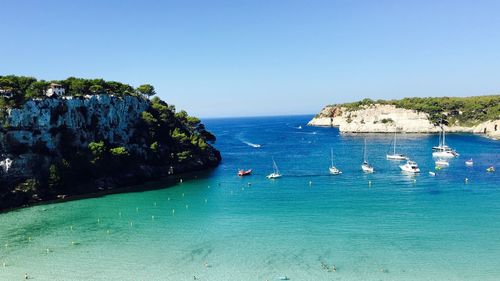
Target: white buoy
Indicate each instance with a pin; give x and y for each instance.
(152, 217)
(71, 228)
(180, 180)
(206, 200)
(173, 211)
(466, 180)
(29, 239)
(168, 199)
(72, 242)
(310, 183)
(48, 250)
(107, 231)
(208, 186)
(183, 194)
(131, 224)
(187, 206)
(369, 183)
(120, 214)
(4, 264)
(155, 204)
(137, 209)
(98, 220)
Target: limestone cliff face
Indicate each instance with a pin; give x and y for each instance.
(379, 118)
(44, 146)
(99, 117)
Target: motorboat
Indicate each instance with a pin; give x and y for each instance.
(442, 163)
(243, 173)
(469, 163)
(490, 169)
(410, 167)
(276, 173)
(432, 174)
(394, 155)
(332, 168)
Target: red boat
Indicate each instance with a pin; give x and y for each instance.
(242, 173)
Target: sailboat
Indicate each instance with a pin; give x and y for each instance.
(333, 169)
(276, 173)
(394, 155)
(442, 150)
(366, 167)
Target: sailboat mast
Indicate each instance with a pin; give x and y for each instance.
(442, 128)
(331, 156)
(394, 153)
(364, 152)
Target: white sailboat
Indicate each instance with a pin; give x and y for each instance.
(276, 173)
(442, 150)
(394, 155)
(333, 169)
(366, 167)
(410, 167)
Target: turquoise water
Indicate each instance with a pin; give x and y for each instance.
(221, 228)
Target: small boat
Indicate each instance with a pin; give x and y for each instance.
(469, 163)
(442, 150)
(442, 163)
(366, 167)
(276, 173)
(432, 174)
(333, 169)
(490, 169)
(243, 173)
(394, 155)
(410, 167)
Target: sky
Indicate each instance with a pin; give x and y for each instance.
(249, 58)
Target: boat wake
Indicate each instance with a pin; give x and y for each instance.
(252, 144)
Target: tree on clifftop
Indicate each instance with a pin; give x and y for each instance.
(146, 90)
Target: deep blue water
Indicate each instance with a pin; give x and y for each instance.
(399, 227)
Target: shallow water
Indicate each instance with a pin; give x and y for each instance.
(398, 227)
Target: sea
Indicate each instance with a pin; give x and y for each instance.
(307, 225)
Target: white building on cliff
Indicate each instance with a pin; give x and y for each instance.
(55, 90)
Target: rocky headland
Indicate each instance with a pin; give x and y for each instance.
(480, 115)
(79, 143)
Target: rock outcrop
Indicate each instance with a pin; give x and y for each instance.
(384, 118)
(75, 145)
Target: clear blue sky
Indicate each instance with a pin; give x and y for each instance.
(269, 57)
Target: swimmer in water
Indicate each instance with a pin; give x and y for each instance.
(26, 276)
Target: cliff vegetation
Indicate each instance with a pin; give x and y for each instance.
(98, 135)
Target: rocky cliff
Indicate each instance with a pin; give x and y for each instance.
(52, 147)
(387, 118)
